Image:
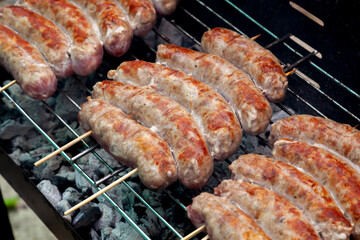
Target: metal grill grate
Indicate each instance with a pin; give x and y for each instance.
(188, 22)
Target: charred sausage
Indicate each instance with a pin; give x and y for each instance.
(114, 26)
(250, 105)
(263, 67)
(299, 188)
(341, 138)
(222, 219)
(170, 120)
(330, 170)
(211, 111)
(165, 7)
(129, 143)
(86, 51)
(43, 34)
(279, 218)
(142, 15)
(26, 64)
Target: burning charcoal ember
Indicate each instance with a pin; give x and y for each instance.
(51, 192)
(48, 168)
(63, 206)
(108, 218)
(72, 196)
(86, 216)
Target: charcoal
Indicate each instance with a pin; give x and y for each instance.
(48, 168)
(50, 191)
(124, 231)
(61, 182)
(81, 182)
(67, 172)
(106, 234)
(11, 128)
(63, 206)
(108, 218)
(15, 156)
(94, 235)
(86, 217)
(72, 196)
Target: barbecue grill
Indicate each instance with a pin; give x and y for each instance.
(323, 84)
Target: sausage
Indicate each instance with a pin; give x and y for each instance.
(330, 170)
(222, 219)
(210, 110)
(299, 188)
(263, 67)
(142, 15)
(86, 51)
(250, 105)
(279, 218)
(129, 143)
(26, 64)
(341, 138)
(165, 7)
(114, 26)
(170, 120)
(41, 33)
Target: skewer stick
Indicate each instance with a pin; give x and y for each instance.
(291, 72)
(194, 233)
(255, 37)
(7, 85)
(205, 238)
(63, 148)
(89, 199)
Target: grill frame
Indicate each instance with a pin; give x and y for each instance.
(177, 23)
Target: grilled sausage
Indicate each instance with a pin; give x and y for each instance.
(141, 14)
(86, 50)
(342, 180)
(299, 188)
(210, 110)
(129, 143)
(165, 7)
(263, 67)
(250, 105)
(43, 34)
(341, 138)
(222, 219)
(170, 120)
(115, 29)
(279, 218)
(26, 64)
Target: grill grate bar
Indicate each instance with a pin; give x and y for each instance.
(280, 40)
(301, 60)
(83, 153)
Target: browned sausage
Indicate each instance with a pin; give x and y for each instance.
(333, 172)
(165, 7)
(86, 50)
(299, 188)
(263, 67)
(279, 218)
(341, 138)
(170, 120)
(43, 34)
(115, 29)
(26, 64)
(129, 143)
(210, 110)
(222, 219)
(250, 105)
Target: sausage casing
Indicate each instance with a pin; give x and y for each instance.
(129, 143)
(258, 62)
(165, 7)
(341, 138)
(279, 218)
(211, 111)
(86, 50)
(42, 33)
(222, 219)
(250, 105)
(330, 170)
(142, 15)
(26, 64)
(114, 26)
(299, 188)
(170, 120)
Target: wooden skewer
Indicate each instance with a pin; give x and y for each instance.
(205, 238)
(194, 233)
(7, 85)
(291, 72)
(63, 148)
(89, 199)
(255, 37)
